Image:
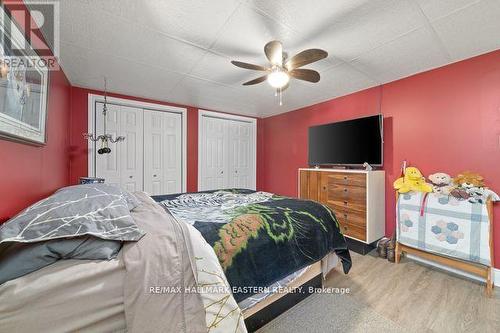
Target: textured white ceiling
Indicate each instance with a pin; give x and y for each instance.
(180, 51)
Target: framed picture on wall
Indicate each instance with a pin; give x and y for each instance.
(24, 82)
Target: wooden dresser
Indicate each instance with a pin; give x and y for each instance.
(356, 196)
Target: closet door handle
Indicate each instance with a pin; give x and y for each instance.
(155, 175)
(222, 172)
(130, 177)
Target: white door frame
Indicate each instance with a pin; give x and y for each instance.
(95, 98)
(213, 114)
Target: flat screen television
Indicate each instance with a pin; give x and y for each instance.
(349, 143)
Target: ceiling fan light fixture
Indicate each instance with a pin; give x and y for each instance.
(278, 79)
(282, 68)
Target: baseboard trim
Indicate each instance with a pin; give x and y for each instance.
(496, 271)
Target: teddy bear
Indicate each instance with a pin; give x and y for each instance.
(441, 183)
(412, 181)
(469, 186)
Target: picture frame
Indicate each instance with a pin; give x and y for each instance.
(24, 86)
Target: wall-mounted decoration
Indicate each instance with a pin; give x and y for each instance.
(24, 84)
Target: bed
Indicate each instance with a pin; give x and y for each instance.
(230, 239)
(259, 237)
(264, 242)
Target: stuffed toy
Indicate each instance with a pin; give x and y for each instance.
(477, 195)
(412, 181)
(441, 183)
(469, 186)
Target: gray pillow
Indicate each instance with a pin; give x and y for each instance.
(130, 198)
(18, 259)
(99, 210)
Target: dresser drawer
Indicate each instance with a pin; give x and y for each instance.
(347, 178)
(349, 215)
(352, 195)
(352, 230)
(339, 204)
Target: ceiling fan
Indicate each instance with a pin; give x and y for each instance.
(282, 68)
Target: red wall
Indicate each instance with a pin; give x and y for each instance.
(446, 119)
(30, 173)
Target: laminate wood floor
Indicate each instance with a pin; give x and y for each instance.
(418, 297)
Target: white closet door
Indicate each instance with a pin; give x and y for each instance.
(131, 154)
(162, 152)
(240, 154)
(124, 165)
(108, 165)
(213, 169)
(227, 153)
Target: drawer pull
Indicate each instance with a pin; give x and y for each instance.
(345, 177)
(345, 215)
(324, 188)
(345, 190)
(345, 203)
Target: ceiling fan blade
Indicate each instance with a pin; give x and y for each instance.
(274, 52)
(305, 57)
(305, 74)
(255, 81)
(246, 65)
